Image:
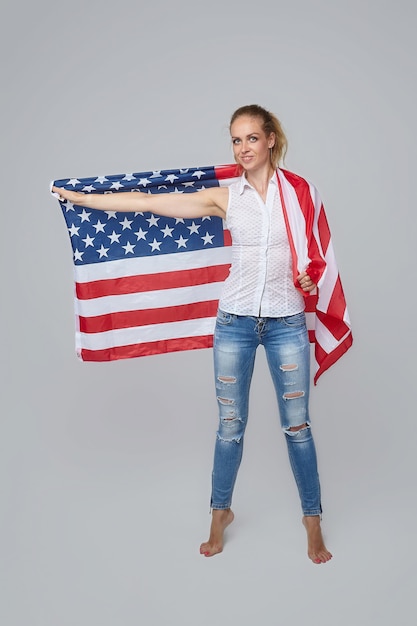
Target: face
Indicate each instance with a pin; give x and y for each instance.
(250, 145)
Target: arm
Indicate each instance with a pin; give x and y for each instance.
(211, 201)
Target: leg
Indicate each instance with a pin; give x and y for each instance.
(234, 355)
(288, 354)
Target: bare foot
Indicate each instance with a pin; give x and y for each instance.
(221, 518)
(317, 551)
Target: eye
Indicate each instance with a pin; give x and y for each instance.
(235, 142)
(252, 139)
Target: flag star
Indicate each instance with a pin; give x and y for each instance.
(144, 182)
(88, 241)
(103, 251)
(193, 228)
(189, 184)
(141, 234)
(73, 182)
(128, 177)
(156, 174)
(114, 237)
(68, 206)
(199, 174)
(206, 217)
(155, 245)
(171, 178)
(116, 185)
(74, 230)
(138, 213)
(111, 214)
(162, 187)
(176, 190)
(179, 220)
(85, 217)
(181, 242)
(207, 238)
(101, 180)
(153, 220)
(78, 256)
(126, 223)
(99, 227)
(167, 231)
(128, 248)
(184, 171)
(88, 188)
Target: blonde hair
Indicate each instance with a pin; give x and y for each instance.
(270, 124)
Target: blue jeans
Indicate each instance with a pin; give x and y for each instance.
(287, 347)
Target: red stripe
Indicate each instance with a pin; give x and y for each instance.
(290, 238)
(227, 237)
(147, 349)
(310, 303)
(132, 319)
(333, 317)
(324, 230)
(327, 360)
(227, 171)
(151, 282)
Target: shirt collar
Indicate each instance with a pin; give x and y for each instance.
(243, 182)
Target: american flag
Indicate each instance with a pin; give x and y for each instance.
(146, 284)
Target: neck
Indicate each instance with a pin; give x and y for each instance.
(260, 179)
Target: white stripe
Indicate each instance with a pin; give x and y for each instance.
(148, 300)
(143, 334)
(227, 181)
(152, 265)
(296, 221)
(328, 280)
(310, 320)
(325, 338)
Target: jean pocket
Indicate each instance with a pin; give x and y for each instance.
(224, 318)
(295, 321)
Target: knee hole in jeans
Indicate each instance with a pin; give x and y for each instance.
(293, 431)
(226, 379)
(288, 368)
(292, 395)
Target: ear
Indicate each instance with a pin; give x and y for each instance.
(271, 140)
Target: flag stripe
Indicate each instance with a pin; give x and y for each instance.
(148, 265)
(146, 282)
(147, 348)
(151, 332)
(127, 319)
(150, 299)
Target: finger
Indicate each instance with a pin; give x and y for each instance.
(56, 191)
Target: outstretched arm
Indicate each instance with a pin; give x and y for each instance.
(211, 201)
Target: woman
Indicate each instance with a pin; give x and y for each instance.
(259, 305)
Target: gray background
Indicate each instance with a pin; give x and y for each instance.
(105, 468)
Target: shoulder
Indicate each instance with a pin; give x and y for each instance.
(218, 198)
(294, 179)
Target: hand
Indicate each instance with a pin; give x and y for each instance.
(75, 197)
(306, 283)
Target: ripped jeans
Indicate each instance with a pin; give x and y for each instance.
(287, 347)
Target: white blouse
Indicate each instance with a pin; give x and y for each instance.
(260, 281)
